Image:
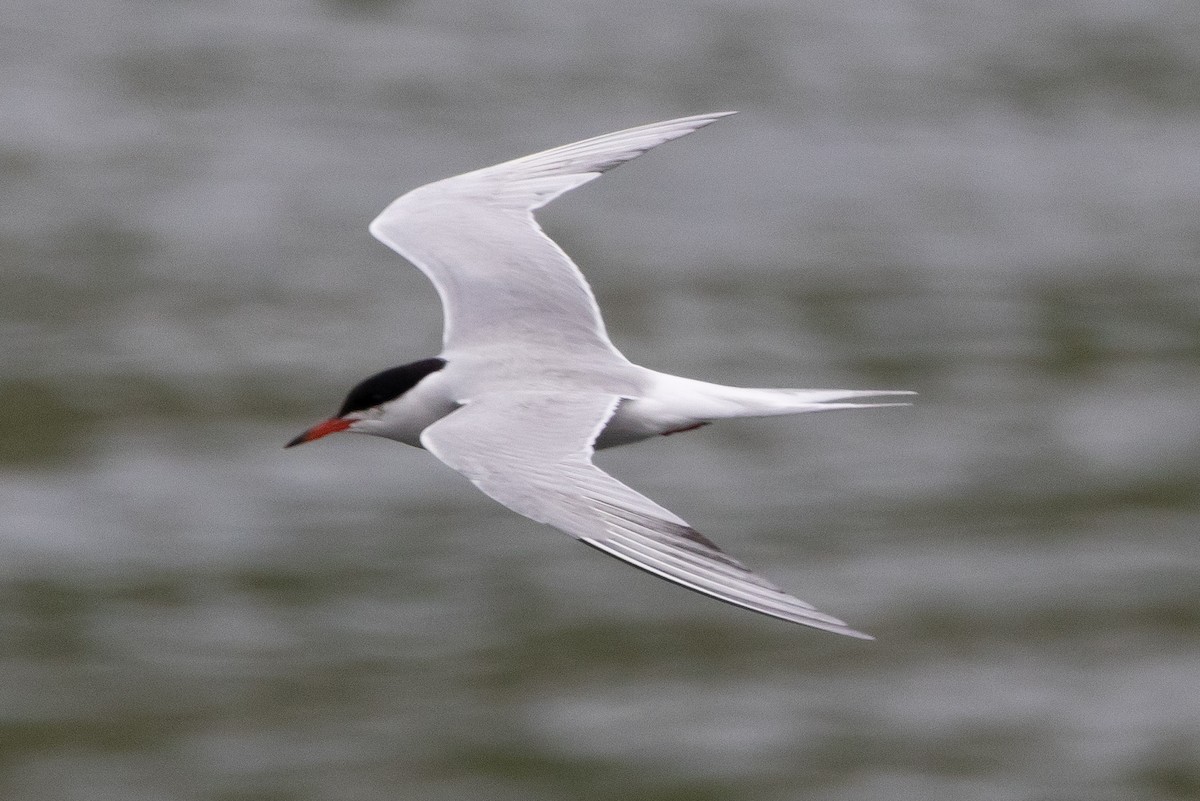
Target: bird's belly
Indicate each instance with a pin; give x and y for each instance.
(641, 418)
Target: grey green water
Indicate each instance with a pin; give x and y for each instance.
(994, 204)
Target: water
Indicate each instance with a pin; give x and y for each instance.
(993, 204)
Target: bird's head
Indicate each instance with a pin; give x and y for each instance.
(367, 404)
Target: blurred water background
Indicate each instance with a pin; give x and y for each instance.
(993, 203)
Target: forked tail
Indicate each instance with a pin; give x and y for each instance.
(767, 402)
(672, 404)
(700, 400)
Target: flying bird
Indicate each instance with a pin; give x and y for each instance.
(528, 384)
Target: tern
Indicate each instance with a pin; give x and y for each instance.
(528, 384)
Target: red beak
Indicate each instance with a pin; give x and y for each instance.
(330, 426)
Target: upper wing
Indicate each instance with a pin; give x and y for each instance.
(499, 276)
(532, 452)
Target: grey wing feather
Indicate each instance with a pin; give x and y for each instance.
(500, 278)
(532, 452)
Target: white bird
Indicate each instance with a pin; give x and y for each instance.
(528, 384)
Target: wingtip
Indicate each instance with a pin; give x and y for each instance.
(858, 635)
(701, 120)
(822, 621)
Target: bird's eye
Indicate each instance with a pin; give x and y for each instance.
(388, 385)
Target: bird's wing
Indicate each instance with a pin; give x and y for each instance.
(500, 278)
(532, 452)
